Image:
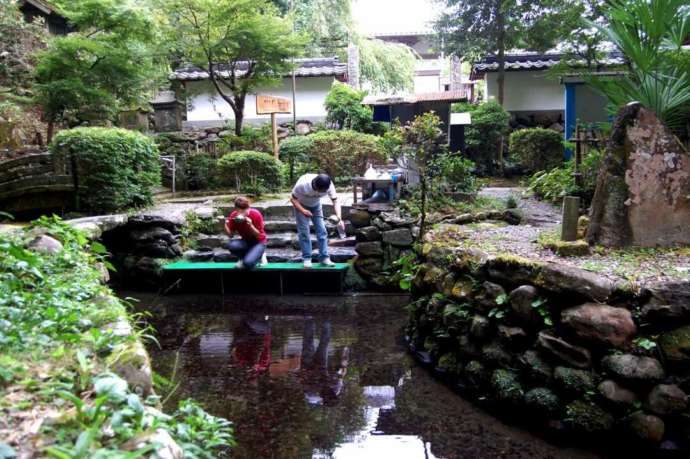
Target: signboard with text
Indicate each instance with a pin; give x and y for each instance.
(266, 105)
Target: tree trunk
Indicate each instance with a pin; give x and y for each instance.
(422, 207)
(238, 109)
(501, 47)
(51, 131)
(500, 79)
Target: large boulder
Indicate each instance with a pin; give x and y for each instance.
(675, 345)
(600, 324)
(359, 218)
(367, 234)
(669, 302)
(641, 196)
(634, 369)
(561, 350)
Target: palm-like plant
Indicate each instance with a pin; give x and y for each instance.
(650, 34)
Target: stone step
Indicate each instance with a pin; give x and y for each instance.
(274, 255)
(285, 212)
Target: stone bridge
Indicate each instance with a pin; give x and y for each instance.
(34, 184)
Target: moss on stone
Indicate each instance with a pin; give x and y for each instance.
(506, 386)
(543, 401)
(587, 417)
(573, 380)
(450, 363)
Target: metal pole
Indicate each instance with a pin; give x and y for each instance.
(174, 164)
(294, 80)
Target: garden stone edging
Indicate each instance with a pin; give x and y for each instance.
(576, 349)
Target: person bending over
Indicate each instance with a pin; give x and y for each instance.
(306, 197)
(249, 224)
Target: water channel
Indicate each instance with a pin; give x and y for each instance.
(322, 378)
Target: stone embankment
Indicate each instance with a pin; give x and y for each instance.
(575, 352)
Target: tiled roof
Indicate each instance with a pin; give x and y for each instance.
(535, 61)
(443, 96)
(311, 67)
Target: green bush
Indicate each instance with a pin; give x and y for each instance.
(483, 136)
(458, 173)
(537, 149)
(345, 109)
(344, 154)
(250, 172)
(558, 182)
(252, 139)
(200, 171)
(294, 151)
(116, 168)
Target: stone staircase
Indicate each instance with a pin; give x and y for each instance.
(283, 243)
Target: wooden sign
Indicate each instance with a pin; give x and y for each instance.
(266, 105)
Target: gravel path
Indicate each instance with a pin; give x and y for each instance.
(641, 266)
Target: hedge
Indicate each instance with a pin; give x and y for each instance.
(537, 149)
(344, 154)
(250, 172)
(116, 168)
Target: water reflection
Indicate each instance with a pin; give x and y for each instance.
(336, 386)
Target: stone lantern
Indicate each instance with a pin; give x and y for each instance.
(168, 112)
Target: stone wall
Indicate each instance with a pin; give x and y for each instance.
(569, 350)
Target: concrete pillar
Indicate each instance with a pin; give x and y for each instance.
(571, 214)
(570, 113)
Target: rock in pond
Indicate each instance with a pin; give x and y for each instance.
(600, 324)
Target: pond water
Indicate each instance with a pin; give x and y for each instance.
(333, 384)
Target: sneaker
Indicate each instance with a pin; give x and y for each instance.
(307, 263)
(327, 262)
(264, 260)
(239, 265)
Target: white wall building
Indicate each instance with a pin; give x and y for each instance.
(314, 78)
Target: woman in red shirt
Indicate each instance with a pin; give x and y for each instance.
(249, 224)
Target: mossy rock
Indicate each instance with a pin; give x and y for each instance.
(587, 417)
(450, 364)
(506, 386)
(574, 381)
(476, 374)
(543, 401)
(536, 368)
(675, 345)
(131, 362)
(579, 248)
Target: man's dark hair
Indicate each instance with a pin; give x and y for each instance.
(321, 182)
(241, 202)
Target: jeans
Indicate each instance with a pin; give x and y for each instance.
(249, 252)
(303, 232)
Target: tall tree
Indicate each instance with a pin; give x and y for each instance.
(473, 28)
(107, 64)
(386, 67)
(242, 44)
(327, 24)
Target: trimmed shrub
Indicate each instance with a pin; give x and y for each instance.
(294, 151)
(252, 139)
(537, 149)
(250, 172)
(344, 154)
(345, 109)
(116, 168)
(200, 171)
(458, 173)
(483, 136)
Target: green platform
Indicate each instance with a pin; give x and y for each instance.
(279, 277)
(211, 266)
